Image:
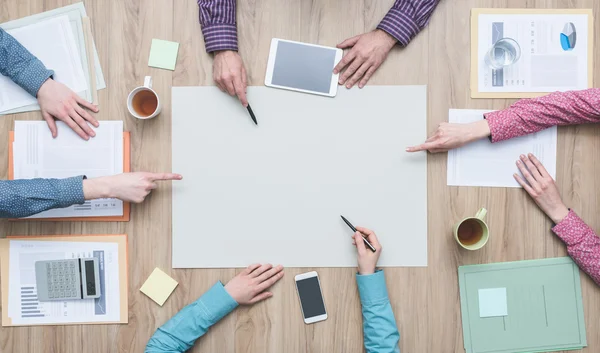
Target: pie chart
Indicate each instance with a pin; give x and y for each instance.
(568, 37)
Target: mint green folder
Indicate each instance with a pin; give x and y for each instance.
(542, 303)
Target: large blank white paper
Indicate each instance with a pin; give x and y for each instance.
(52, 42)
(38, 155)
(482, 163)
(275, 192)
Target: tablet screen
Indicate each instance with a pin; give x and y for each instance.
(303, 67)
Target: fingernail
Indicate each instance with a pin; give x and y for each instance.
(518, 162)
(522, 156)
(530, 154)
(348, 86)
(340, 82)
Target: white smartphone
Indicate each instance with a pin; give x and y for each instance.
(303, 67)
(311, 298)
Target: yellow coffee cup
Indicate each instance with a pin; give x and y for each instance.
(472, 233)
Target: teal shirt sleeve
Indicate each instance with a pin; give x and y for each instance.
(22, 67)
(180, 333)
(379, 325)
(26, 197)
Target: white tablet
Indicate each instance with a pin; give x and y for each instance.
(303, 67)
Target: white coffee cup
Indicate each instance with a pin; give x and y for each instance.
(143, 102)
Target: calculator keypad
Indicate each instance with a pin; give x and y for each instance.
(63, 280)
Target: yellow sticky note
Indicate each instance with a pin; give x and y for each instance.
(159, 286)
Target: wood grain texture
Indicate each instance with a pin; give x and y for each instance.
(425, 300)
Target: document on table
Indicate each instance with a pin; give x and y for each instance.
(482, 163)
(25, 309)
(74, 12)
(52, 42)
(38, 155)
(556, 49)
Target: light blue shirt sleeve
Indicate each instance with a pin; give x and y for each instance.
(22, 198)
(20, 65)
(379, 325)
(180, 333)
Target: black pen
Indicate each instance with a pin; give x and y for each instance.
(251, 114)
(354, 230)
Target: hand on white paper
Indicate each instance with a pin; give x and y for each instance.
(57, 101)
(250, 285)
(369, 51)
(452, 135)
(367, 259)
(130, 187)
(230, 75)
(541, 187)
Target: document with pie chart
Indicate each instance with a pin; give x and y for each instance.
(555, 51)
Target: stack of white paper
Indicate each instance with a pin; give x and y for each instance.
(53, 43)
(38, 155)
(24, 307)
(482, 163)
(74, 13)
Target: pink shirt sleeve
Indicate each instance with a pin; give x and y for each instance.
(583, 245)
(531, 115)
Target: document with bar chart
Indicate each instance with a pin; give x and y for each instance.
(38, 155)
(553, 52)
(23, 305)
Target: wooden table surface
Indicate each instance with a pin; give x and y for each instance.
(425, 300)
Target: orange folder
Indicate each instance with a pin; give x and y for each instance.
(126, 169)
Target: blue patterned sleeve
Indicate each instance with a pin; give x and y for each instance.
(20, 65)
(22, 198)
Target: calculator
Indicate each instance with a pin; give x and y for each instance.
(70, 279)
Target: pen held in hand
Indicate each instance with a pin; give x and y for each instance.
(252, 114)
(354, 230)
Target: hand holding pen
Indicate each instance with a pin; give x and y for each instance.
(367, 260)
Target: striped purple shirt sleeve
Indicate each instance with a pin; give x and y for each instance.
(407, 18)
(217, 18)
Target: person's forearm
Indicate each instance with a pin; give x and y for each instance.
(23, 198)
(193, 321)
(531, 115)
(22, 67)
(379, 325)
(583, 245)
(97, 188)
(407, 18)
(218, 22)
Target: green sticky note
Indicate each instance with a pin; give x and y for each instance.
(163, 54)
(492, 302)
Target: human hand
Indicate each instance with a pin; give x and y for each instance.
(57, 101)
(367, 259)
(230, 75)
(541, 187)
(451, 135)
(130, 187)
(368, 51)
(250, 285)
